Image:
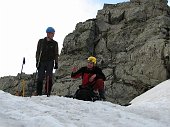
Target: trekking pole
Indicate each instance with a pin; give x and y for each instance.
(21, 75)
(35, 77)
(47, 82)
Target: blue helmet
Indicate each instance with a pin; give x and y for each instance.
(50, 30)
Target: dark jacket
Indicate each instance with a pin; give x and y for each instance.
(49, 50)
(86, 73)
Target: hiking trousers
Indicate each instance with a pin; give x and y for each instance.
(45, 70)
(99, 85)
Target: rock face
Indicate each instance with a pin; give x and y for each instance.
(16, 84)
(130, 41)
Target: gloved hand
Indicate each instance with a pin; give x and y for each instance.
(74, 69)
(56, 66)
(92, 78)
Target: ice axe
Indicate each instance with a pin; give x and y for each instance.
(20, 77)
(23, 64)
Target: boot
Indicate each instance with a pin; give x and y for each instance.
(39, 88)
(49, 87)
(102, 95)
(95, 95)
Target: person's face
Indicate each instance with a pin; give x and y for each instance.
(50, 35)
(90, 65)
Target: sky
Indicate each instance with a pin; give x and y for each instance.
(23, 23)
(150, 109)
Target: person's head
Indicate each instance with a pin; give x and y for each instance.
(91, 62)
(50, 32)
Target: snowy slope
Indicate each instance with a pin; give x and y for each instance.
(150, 109)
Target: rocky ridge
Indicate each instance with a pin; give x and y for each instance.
(130, 41)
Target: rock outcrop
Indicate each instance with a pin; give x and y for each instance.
(130, 41)
(16, 84)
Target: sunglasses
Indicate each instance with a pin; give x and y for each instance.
(89, 62)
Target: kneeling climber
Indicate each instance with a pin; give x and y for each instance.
(92, 77)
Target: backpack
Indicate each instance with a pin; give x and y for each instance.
(84, 94)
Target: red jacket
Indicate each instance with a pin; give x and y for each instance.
(86, 73)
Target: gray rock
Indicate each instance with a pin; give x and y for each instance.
(130, 41)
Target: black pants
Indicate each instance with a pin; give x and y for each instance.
(45, 70)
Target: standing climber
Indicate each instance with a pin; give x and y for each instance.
(46, 59)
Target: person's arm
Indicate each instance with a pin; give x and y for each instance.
(100, 74)
(38, 50)
(56, 56)
(77, 74)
